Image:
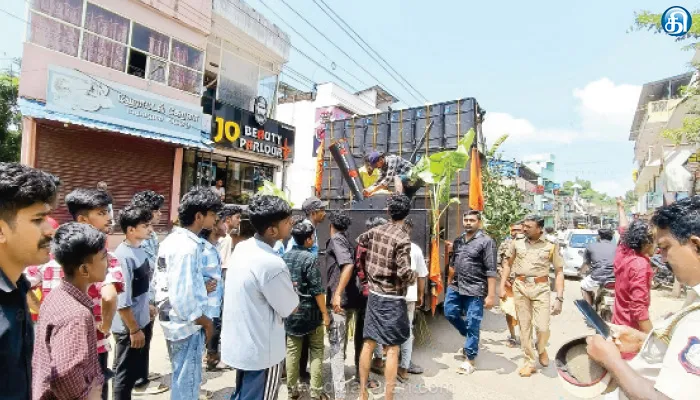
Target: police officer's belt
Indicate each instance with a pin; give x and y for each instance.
(532, 279)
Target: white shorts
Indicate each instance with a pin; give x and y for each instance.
(589, 285)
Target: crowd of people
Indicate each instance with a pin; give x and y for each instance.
(270, 316)
(267, 319)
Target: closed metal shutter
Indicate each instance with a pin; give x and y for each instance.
(82, 158)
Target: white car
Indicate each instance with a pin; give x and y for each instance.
(573, 247)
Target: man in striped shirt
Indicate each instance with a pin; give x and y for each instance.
(181, 294)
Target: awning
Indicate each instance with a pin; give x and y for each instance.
(38, 110)
(676, 177)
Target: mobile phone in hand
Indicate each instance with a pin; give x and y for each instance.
(593, 318)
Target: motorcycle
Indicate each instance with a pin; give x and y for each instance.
(604, 300)
(663, 276)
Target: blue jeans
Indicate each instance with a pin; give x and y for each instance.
(186, 360)
(455, 306)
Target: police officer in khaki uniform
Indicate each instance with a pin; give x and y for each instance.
(530, 260)
(668, 363)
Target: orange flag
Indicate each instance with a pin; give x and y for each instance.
(435, 274)
(476, 190)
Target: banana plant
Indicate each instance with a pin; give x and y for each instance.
(270, 189)
(438, 171)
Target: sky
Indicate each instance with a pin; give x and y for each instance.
(558, 77)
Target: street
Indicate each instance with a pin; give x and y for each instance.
(496, 376)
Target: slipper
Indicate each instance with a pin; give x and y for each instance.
(371, 383)
(466, 368)
(205, 394)
(152, 387)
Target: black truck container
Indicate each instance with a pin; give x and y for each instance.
(399, 132)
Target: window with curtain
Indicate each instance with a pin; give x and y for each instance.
(106, 23)
(184, 70)
(104, 52)
(52, 34)
(150, 41)
(113, 41)
(105, 46)
(70, 11)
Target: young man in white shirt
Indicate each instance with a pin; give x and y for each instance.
(256, 300)
(414, 299)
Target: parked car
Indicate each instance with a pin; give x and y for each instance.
(573, 247)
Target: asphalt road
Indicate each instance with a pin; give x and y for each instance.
(497, 365)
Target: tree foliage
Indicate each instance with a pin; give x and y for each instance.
(10, 119)
(646, 20)
(586, 192)
(690, 130)
(503, 201)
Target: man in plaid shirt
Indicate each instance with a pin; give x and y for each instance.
(389, 274)
(89, 206)
(394, 169)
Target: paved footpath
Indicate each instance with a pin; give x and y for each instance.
(497, 365)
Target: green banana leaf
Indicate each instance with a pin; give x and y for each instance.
(439, 169)
(270, 189)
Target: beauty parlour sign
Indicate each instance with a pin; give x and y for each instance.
(239, 129)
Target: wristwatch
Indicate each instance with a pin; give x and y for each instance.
(561, 299)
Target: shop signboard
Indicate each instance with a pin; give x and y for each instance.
(241, 130)
(324, 116)
(77, 93)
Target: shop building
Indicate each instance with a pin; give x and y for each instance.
(244, 58)
(113, 90)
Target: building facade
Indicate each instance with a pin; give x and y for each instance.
(663, 170)
(544, 200)
(113, 91)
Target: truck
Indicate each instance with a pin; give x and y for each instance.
(410, 133)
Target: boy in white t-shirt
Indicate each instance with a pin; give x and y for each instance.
(414, 298)
(256, 299)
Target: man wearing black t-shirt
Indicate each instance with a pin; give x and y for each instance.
(344, 297)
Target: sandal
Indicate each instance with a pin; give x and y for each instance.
(152, 387)
(401, 379)
(466, 368)
(512, 343)
(371, 383)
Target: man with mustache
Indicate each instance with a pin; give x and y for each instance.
(26, 195)
(92, 207)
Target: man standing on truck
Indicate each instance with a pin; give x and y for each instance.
(474, 286)
(530, 259)
(392, 168)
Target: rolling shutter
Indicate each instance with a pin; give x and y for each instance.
(81, 158)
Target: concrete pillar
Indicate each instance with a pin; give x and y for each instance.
(28, 149)
(177, 179)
